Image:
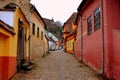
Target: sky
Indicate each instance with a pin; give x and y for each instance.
(59, 10)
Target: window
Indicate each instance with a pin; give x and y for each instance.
(42, 35)
(71, 45)
(67, 44)
(97, 19)
(89, 22)
(38, 32)
(33, 29)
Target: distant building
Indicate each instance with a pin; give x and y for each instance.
(69, 29)
(53, 27)
(54, 32)
(52, 41)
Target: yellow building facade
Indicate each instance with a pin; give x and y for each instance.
(70, 44)
(10, 36)
(70, 33)
(71, 39)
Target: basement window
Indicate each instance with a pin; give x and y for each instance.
(89, 23)
(97, 19)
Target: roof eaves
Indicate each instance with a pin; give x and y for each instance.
(73, 15)
(81, 5)
(7, 27)
(72, 32)
(39, 15)
(49, 23)
(25, 19)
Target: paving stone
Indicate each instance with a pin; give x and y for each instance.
(58, 65)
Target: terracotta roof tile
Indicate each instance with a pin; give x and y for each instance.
(7, 27)
(70, 21)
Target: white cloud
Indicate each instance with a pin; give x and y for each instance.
(58, 9)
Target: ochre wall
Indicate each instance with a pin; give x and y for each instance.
(70, 44)
(8, 44)
(7, 55)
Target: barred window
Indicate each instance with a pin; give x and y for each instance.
(41, 35)
(38, 32)
(33, 29)
(67, 45)
(89, 23)
(97, 19)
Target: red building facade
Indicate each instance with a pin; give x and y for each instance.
(98, 36)
(77, 44)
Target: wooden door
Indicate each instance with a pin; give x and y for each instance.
(21, 45)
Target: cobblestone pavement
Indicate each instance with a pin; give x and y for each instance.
(58, 66)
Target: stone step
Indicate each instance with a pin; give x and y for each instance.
(29, 67)
(26, 66)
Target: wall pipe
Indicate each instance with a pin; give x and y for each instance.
(102, 25)
(30, 35)
(81, 51)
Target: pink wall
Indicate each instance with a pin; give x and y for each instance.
(77, 49)
(112, 38)
(116, 54)
(92, 44)
(8, 68)
(77, 45)
(1, 70)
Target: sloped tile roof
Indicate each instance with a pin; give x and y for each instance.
(7, 27)
(68, 23)
(50, 23)
(52, 27)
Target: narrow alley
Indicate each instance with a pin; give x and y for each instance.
(58, 66)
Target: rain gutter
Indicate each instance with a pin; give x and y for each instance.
(102, 25)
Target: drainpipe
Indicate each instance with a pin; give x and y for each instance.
(24, 43)
(30, 34)
(29, 48)
(81, 51)
(102, 26)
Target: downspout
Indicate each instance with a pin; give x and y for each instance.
(81, 51)
(30, 35)
(102, 26)
(29, 47)
(24, 44)
(47, 41)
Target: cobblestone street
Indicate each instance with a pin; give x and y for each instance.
(58, 66)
